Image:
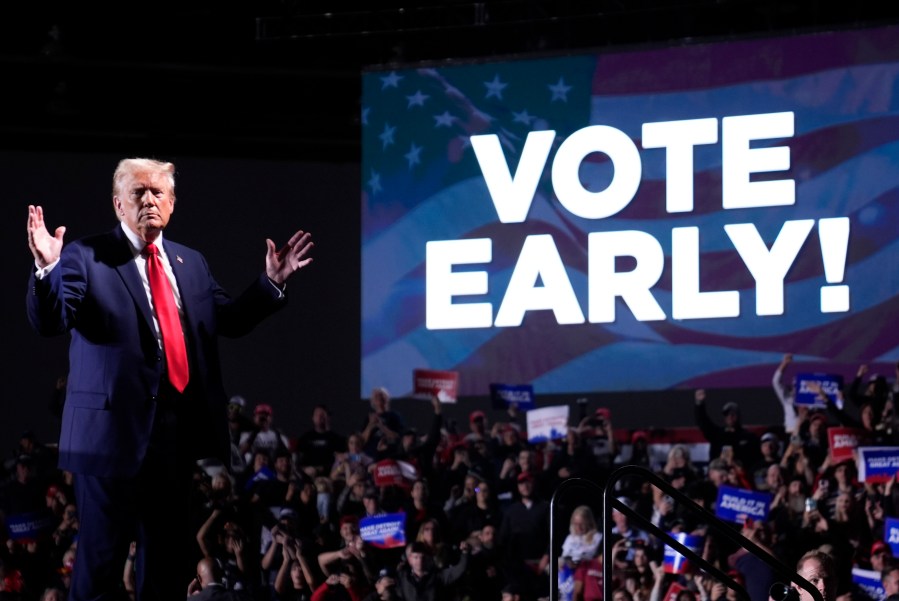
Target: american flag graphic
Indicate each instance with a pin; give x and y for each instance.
(421, 182)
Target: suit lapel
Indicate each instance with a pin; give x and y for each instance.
(182, 273)
(127, 269)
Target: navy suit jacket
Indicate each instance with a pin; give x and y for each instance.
(115, 364)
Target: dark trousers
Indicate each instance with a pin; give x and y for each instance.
(150, 508)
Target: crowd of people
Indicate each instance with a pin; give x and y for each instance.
(286, 520)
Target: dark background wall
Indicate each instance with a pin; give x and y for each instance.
(258, 106)
(226, 208)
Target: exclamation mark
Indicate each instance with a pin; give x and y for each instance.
(834, 237)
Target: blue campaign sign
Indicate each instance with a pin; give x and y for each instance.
(736, 504)
(868, 581)
(566, 582)
(384, 531)
(829, 383)
(891, 534)
(504, 395)
(877, 464)
(29, 526)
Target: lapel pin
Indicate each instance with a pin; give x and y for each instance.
(179, 259)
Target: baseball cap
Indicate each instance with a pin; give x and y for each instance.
(603, 412)
(525, 477)
(730, 407)
(385, 573)
(476, 415)
(263, 408)
(769, 436)
(880, 547)
(237, 400)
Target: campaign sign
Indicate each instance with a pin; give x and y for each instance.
(736, 504)
(505, 395)
(877, 464)
(868, 581)
(384, 531)
(891, 534)
(547, 423)
(675, 563)
(843, 441)
(566, 582)
(829, 383)
(31, 526)
(428, 383)
(673, 591)
(387, 473)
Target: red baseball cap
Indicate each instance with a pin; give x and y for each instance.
(262, 408)
(880, 547)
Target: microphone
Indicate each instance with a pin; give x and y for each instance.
(783, 592)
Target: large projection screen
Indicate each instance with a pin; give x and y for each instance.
(636, 219)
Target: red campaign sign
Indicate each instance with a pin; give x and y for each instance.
(843, 441)
(431, 382)
(388, 473)
(394, 473)
(673, 591)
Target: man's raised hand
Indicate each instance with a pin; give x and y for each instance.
(281, 264)
(45, 248)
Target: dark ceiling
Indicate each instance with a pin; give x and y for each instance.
(280, 78)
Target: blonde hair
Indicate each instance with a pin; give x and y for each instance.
(420, 536)
(586, 514)
(128, 166)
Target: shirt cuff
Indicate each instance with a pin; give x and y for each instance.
(282, 289)
(41, 272)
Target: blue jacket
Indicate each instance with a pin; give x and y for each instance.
(115, 364)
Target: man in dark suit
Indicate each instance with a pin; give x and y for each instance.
(142, 392)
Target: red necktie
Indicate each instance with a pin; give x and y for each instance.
(169, 322)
